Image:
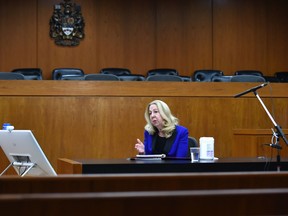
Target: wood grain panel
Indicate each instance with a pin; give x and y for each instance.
(102, 120)
(117, 34)
(141, 35)
(126, 34)
(277, 19)
(184, 35)
(142, 182)
(18, 39)
(239, 35)
(53, 56)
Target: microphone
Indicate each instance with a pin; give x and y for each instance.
(251, 90)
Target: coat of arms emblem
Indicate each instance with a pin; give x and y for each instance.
(67, 24)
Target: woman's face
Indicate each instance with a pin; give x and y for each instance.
(155, 117)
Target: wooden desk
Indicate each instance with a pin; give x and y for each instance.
(168, 166)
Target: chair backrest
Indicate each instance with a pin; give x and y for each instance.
(132, 77)
(72, 77)
(282, 76)
(115, 71)
(205, 75)
(192, 142)
(186, 78)
(249, 72)
(272, 79)
(29, 73)
(164, 78)
(162, 71)
(101, 77)
(11, 76)
(221, 78)
(247, 78)
(59, 73)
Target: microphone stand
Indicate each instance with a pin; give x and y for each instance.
(277, 134)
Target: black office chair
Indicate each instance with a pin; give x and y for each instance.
(221, 78)
(186, 78)
(29, 73)
(249, 72)
(205, 75)
(192, 142)
(101, 77)
(272, 79)
(162, 71)
(247, 78)
(164, 78)
(67, 73)
(115, 71)
(72, 77)
(282, 76)
(11, 76)
(132, 77)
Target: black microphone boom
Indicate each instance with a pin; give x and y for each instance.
(251, 90)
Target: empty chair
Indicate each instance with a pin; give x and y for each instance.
(186, 78)
(249, 72)
(72, 77)
(132, 77)
(166, 78)
(192, 142)
(162, 71)
(282, 76)
(11, 76)
(101, 77)
(205, 75)
(247, 78)
(115, 71)
(29, 73)
(221, 78)
(67, 73)
(273, 79)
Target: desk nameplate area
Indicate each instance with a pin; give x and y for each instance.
(183, 165)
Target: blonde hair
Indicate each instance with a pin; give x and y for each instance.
(170, 121)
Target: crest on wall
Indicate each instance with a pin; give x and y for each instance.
(67, 24)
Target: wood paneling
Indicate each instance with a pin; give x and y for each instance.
(142, 182)
(184, 35)
(18, 39)
(239, 35)
(117, 34)
(277, 22)
(77, 119)
(141, 35)
(265, 201)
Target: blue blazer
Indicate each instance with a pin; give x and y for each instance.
(176, 145)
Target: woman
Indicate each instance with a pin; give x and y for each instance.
(162, 133)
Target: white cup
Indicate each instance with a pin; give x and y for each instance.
(207, 148)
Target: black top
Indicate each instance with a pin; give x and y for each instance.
(160, 144)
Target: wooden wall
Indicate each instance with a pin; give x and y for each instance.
(140, 35)
(102, 120)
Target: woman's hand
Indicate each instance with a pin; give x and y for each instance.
(140, 147)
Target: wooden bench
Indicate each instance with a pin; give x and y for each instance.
(189, 202)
